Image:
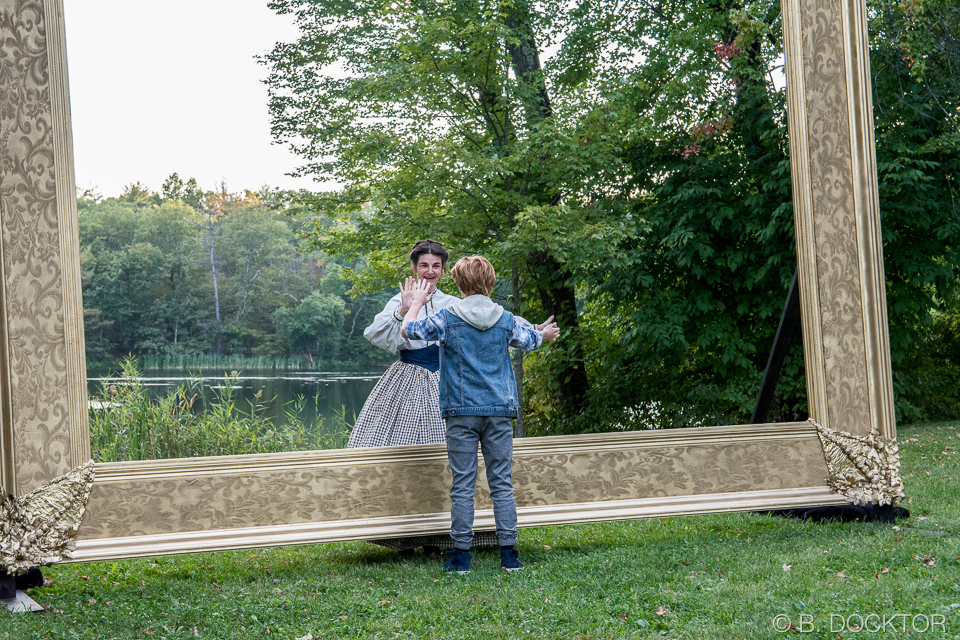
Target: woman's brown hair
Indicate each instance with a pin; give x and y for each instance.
(432, 247)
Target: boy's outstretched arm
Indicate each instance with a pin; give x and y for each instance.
(419, 293)
(530, 339)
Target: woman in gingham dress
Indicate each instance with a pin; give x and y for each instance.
(404, 406)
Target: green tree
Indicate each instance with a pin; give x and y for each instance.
(313, 327)
(189, 193)
(147, 278)
(696, 294)
(443, 127)
(139, 196)
(171, 228)
(915, 69)
(255, 248)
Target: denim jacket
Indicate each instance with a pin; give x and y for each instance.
(476, 374)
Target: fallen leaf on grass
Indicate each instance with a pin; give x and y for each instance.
(787, 567)
(921, 517)
(842, 574)
(84, 577)
(92, 601)
(661, 611)
(884, 570)
(930, 562)
(309, 636)
(196, 634)
(148, 632)
(547, 547)
(686, 564)
(383, 602)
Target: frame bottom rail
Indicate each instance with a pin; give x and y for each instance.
(431, 523)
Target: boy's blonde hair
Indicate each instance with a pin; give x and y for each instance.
(474, 275)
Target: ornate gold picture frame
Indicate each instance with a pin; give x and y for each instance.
(201, 504)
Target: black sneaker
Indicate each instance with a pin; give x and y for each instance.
(510, 560)
(457, 560)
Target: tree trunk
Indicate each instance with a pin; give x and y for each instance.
(213, 272)
(556, 294)
(525, 61)
(217, 342)
(560, 300)
(517, 353)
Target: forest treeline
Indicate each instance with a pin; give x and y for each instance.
(184, 272)
(626, 167)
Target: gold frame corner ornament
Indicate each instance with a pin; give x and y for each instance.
(205, 504)
(38, 529)
(863, 469)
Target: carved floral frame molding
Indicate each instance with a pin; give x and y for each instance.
(200, 504)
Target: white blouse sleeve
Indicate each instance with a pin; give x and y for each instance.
(385, 330)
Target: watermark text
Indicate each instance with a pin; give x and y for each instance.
(856, 622)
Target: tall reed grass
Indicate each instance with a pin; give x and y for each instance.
(195, 361)
(126, 424)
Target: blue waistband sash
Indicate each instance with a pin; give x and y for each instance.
(427, 357)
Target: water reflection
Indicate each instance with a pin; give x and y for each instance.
(325, 392)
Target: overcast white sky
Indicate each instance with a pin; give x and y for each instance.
(172, 86)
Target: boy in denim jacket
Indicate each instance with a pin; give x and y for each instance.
(478, 399)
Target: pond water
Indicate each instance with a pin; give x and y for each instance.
(324, 393)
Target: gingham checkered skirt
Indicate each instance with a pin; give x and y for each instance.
(403, 409)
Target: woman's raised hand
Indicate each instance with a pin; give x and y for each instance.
(406, 293)
(550, 331)
(543, 325)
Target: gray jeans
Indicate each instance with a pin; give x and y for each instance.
(495, 435)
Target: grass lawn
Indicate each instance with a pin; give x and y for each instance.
(720, 576)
